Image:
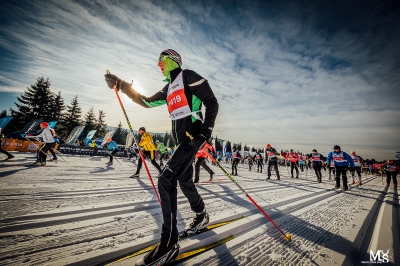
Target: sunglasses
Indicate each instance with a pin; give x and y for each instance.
(163, 57)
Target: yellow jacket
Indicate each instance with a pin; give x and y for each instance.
(146, 142)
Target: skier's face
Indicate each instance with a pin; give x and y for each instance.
(141, 132)
(336, 150)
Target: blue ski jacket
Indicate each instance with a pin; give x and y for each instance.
(112, 146)
(340, 159)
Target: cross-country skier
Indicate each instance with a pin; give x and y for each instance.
(235, 160)
(57, 140)
(341, 161)
(259, 161)
(9, 155)
(147, 144)
(293, 157)
(201, 156)
(249, 160)
(184, 95)
(48, 143)
(357, 167)
(317, 160)
(391, 171)
(113, 147)
(162, 150)
(272, 155)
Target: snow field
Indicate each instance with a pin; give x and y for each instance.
(81, 211)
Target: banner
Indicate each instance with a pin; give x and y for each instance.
(74, 135)
(32, 125)
(89, 137)
(129, 140)
(109, 134)
(224, 147)
(21, 145)
(52, 124)
(83, 150)
(4, 121)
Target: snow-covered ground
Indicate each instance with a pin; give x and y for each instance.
(81, 212)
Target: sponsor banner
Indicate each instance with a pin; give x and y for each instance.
(83, 150)
(21, 145)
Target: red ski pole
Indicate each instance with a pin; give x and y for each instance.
(134, 138)
(206, 146)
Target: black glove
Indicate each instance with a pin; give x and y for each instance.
(111, 79)
(198, 142)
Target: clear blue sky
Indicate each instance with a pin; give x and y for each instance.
(296, 74)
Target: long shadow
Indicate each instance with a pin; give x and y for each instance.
(102, 170)
(11, 172)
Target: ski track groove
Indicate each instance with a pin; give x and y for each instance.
(54, 245)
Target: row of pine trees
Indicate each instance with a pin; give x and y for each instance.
(39, 102)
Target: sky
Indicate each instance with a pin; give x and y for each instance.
(295, 74)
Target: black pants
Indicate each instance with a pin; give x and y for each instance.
(341, 170)
(201, 162)
(4, 151)
(390, 175)
(331, 169)
(358, 170)
(42, 152)
(149, 155)
(302, 167)
(250, 163)
(259, 166)
(161, 158)
(53, 153)
(317, 169)
(235, 162)
(275, 164)
(178, 168)
(112, 155)
(294, 165)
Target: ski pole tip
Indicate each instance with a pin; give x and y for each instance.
(288, 237)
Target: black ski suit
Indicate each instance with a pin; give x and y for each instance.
(258, 159)
(235, 161)
(179, 168)
(317, 160)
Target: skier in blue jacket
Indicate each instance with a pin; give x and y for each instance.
(113, 147)
(341, 161)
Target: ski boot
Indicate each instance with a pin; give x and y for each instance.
(159, 256)
(211, 177)
(135, 175)
(109, 163)
(353, 182)
(198, 222)
(43, 164)
(35, 164)
(9, 157)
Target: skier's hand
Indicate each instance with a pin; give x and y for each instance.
(111, 79)
(198, 142)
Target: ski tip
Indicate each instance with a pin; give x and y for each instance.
(288, 237)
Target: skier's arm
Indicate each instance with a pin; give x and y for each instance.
(328, 162)
(202, 90)
(156, 100)
(349, 159)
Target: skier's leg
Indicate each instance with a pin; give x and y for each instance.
(276, 169)
(337, 176)
(344, 178)
(394, 176)
(197, 169)
(388, 177)
(291, 169)
(269, 169)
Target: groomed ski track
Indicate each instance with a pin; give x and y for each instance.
(83, 213)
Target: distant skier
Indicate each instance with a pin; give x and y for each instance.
(201, 156)
(259, 161)
(113, 148)
(184, 95)
(235, 160)
(341, 161)
(48, 143)
(317, 160)
(250, 161)
(293, 157)
(162, 150)
(147, 144)
(57, 141)
(302, 162)
(391, 171)
(272, 156)
(9, 155)
(357, 167)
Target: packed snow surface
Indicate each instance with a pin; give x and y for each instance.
(82, 211)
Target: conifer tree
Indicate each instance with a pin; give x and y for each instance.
(90, 122)
(101, 125)
(72, 118)
(35, 103)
